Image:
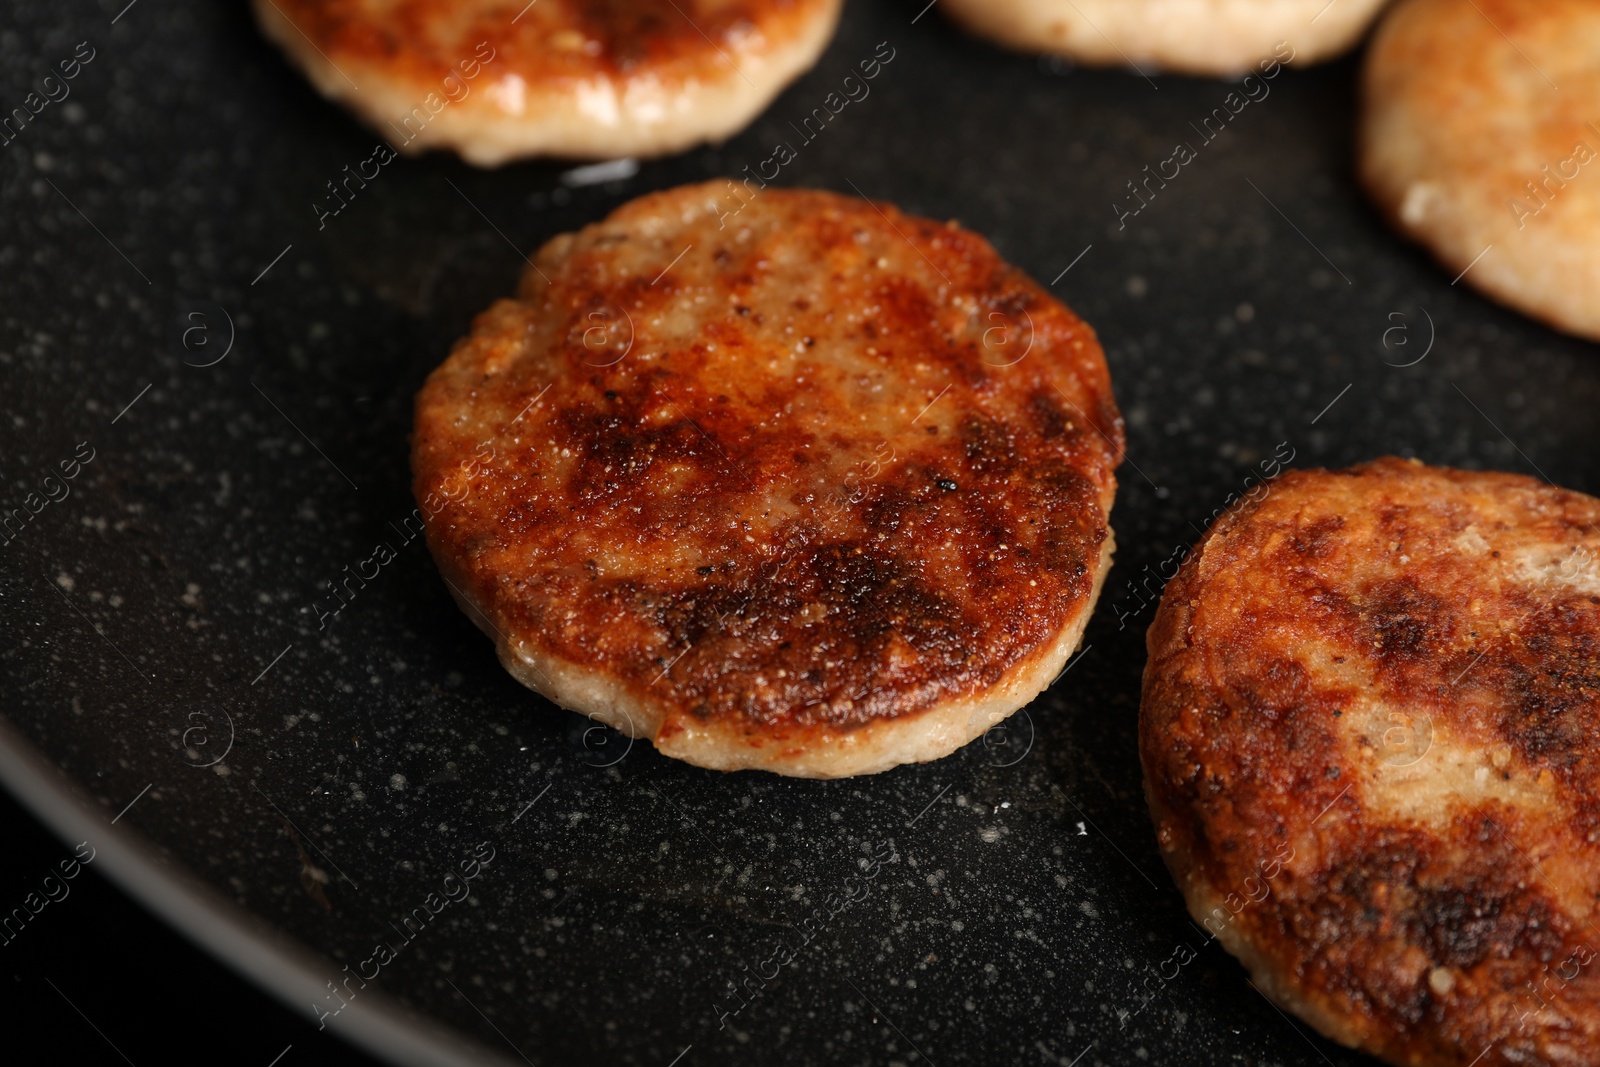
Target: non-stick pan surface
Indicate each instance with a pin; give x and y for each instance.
(242, 376)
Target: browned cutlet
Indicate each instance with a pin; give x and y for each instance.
(1370, 731)
(793, 481)
(501, 79)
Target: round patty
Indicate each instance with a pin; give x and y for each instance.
(1218, 37)
(1480, 138)
(1371, 740)
(777, 479)
(500, 79)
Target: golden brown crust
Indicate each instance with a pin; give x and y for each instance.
(1369, 729)
(1481, 131)
(563, 77)
(797, 470)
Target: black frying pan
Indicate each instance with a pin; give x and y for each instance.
(296, 795)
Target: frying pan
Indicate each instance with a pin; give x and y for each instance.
(290, 796)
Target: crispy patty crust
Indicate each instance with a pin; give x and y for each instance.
(501, 79)
(1216, 37)
(777, 479)
(1371, 740)
(1480, 138)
